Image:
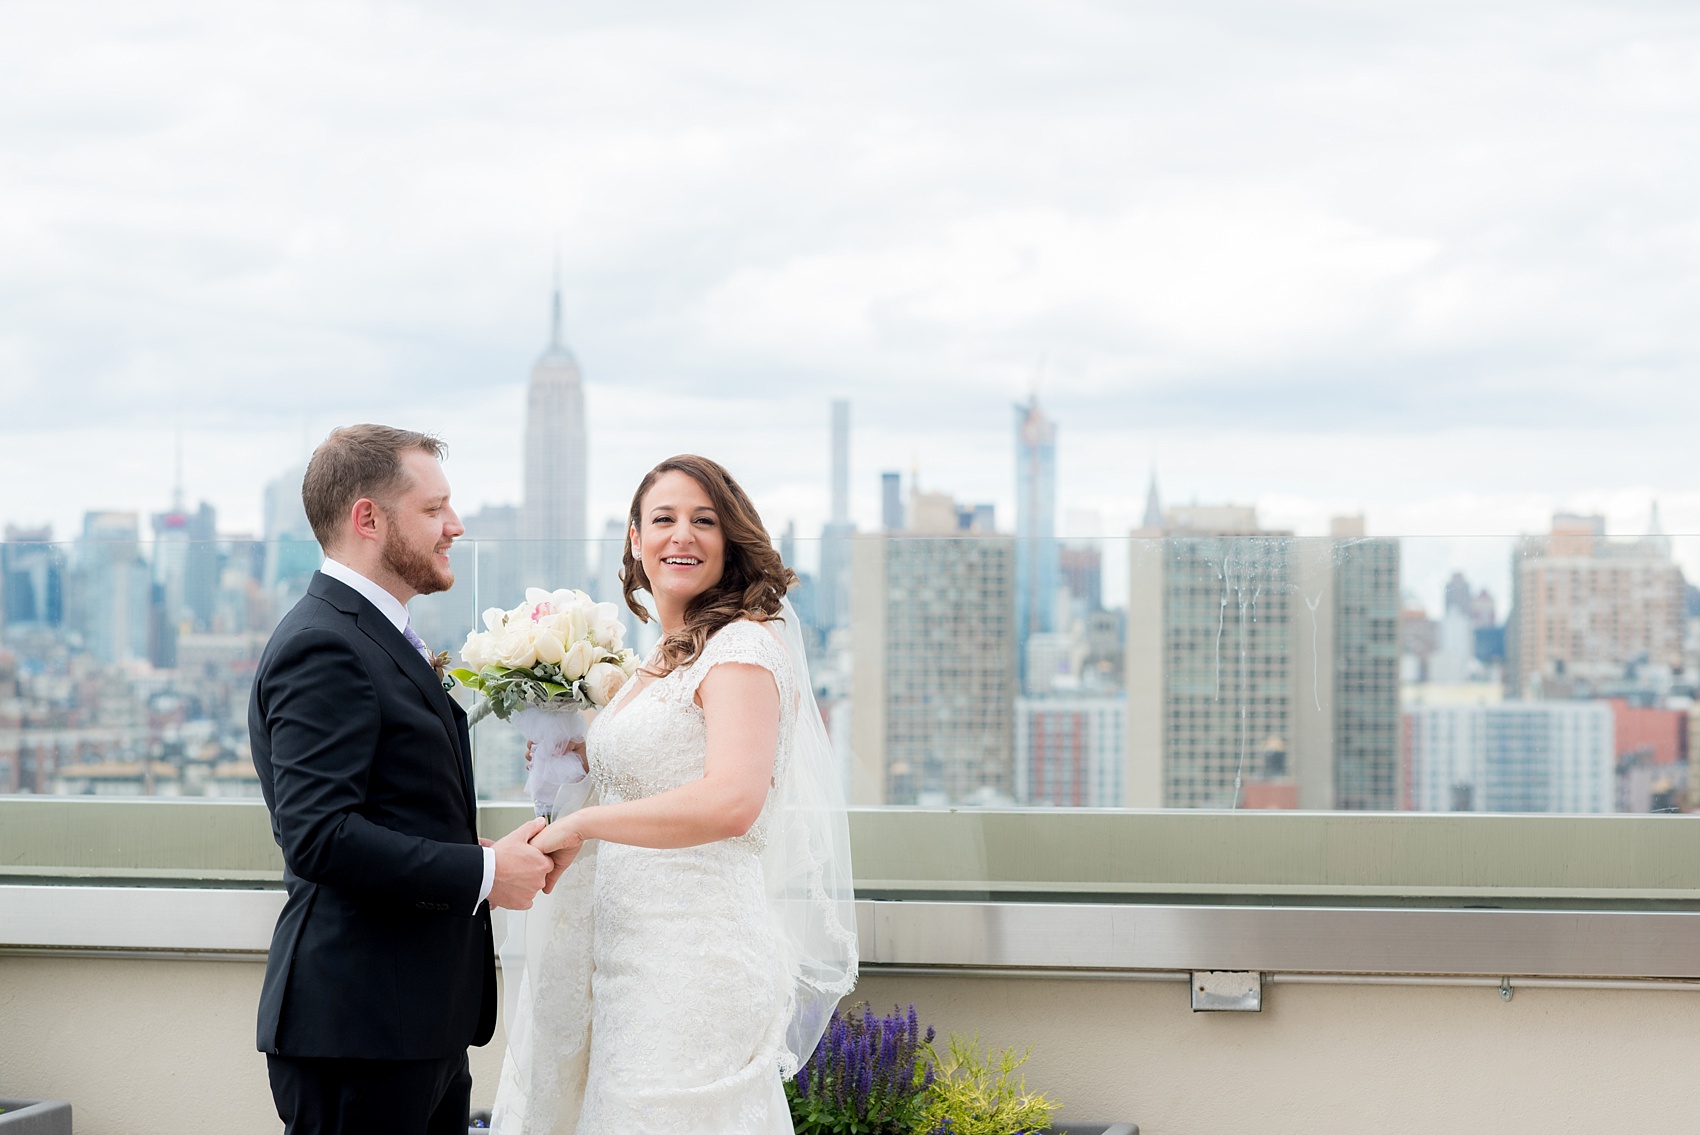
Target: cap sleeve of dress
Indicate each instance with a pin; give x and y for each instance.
(742, 642)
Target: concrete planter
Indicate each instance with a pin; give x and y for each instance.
(35, 1117)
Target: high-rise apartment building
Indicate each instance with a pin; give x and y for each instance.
(1365, 674)
(933, 671)
(1070, 751)
(1242, 641)
(556, 466)
(1511, 757)
(1584, 609)
(1037, 578)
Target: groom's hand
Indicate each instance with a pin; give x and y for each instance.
(521, 870)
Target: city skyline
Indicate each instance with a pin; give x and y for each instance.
(1431, 557)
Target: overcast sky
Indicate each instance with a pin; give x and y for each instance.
(1433, 261)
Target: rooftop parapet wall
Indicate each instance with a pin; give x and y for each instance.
(1606, 862)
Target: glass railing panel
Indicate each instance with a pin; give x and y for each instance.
(1208, 666)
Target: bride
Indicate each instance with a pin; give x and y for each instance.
(688, 959)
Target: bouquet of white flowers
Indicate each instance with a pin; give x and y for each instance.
(540, 666)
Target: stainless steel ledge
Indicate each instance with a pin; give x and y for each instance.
(1078, 937)
(1033, 938)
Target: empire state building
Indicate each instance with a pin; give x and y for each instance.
(552, 515)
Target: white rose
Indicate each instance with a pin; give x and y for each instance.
(577, 661)
(517, 645)
(475, 655)
(494, 617)
(603, 682)
(550, 647)
(629, 662)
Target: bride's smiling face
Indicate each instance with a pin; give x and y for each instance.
(679, 539)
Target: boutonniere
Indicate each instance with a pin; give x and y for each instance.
(440, 666)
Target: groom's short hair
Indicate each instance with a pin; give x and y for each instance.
(355, 462)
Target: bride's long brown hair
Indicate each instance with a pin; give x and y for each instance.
(753, 582)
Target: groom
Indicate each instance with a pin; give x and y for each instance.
(381, 970)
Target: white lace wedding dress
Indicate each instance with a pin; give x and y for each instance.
(661, 1003)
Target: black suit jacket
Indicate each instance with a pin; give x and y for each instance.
(364, 763)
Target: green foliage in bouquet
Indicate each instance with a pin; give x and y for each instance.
(508, 690)
(977, 1093)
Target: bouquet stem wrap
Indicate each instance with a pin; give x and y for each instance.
(554, 768)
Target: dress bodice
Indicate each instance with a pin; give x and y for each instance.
(654, 739)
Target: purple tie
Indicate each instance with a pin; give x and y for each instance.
(415, 641)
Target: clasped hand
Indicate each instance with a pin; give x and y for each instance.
(561, 843)
(530, 859)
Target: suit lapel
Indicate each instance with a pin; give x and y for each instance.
(463, 742)
(381, 631)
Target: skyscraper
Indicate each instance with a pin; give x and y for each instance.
(32, 579)
(832, 594)
(1153, 520)
(556, 466)
(111, 593)
(891, 501)
(1365, 674)
(291, 551)
(1036, 551)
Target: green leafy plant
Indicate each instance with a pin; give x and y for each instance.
(977, 1093)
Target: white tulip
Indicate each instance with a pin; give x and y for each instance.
(579, 657)
(550, 647)
(603, 682)
(575, 622)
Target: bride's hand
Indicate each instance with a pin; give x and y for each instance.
(560, 836)
(575, 747)
(560, 843)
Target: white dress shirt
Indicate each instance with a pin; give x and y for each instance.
(393, 610)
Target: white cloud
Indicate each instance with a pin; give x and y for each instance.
(1432, 261)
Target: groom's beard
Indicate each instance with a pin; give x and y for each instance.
(417, 567)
